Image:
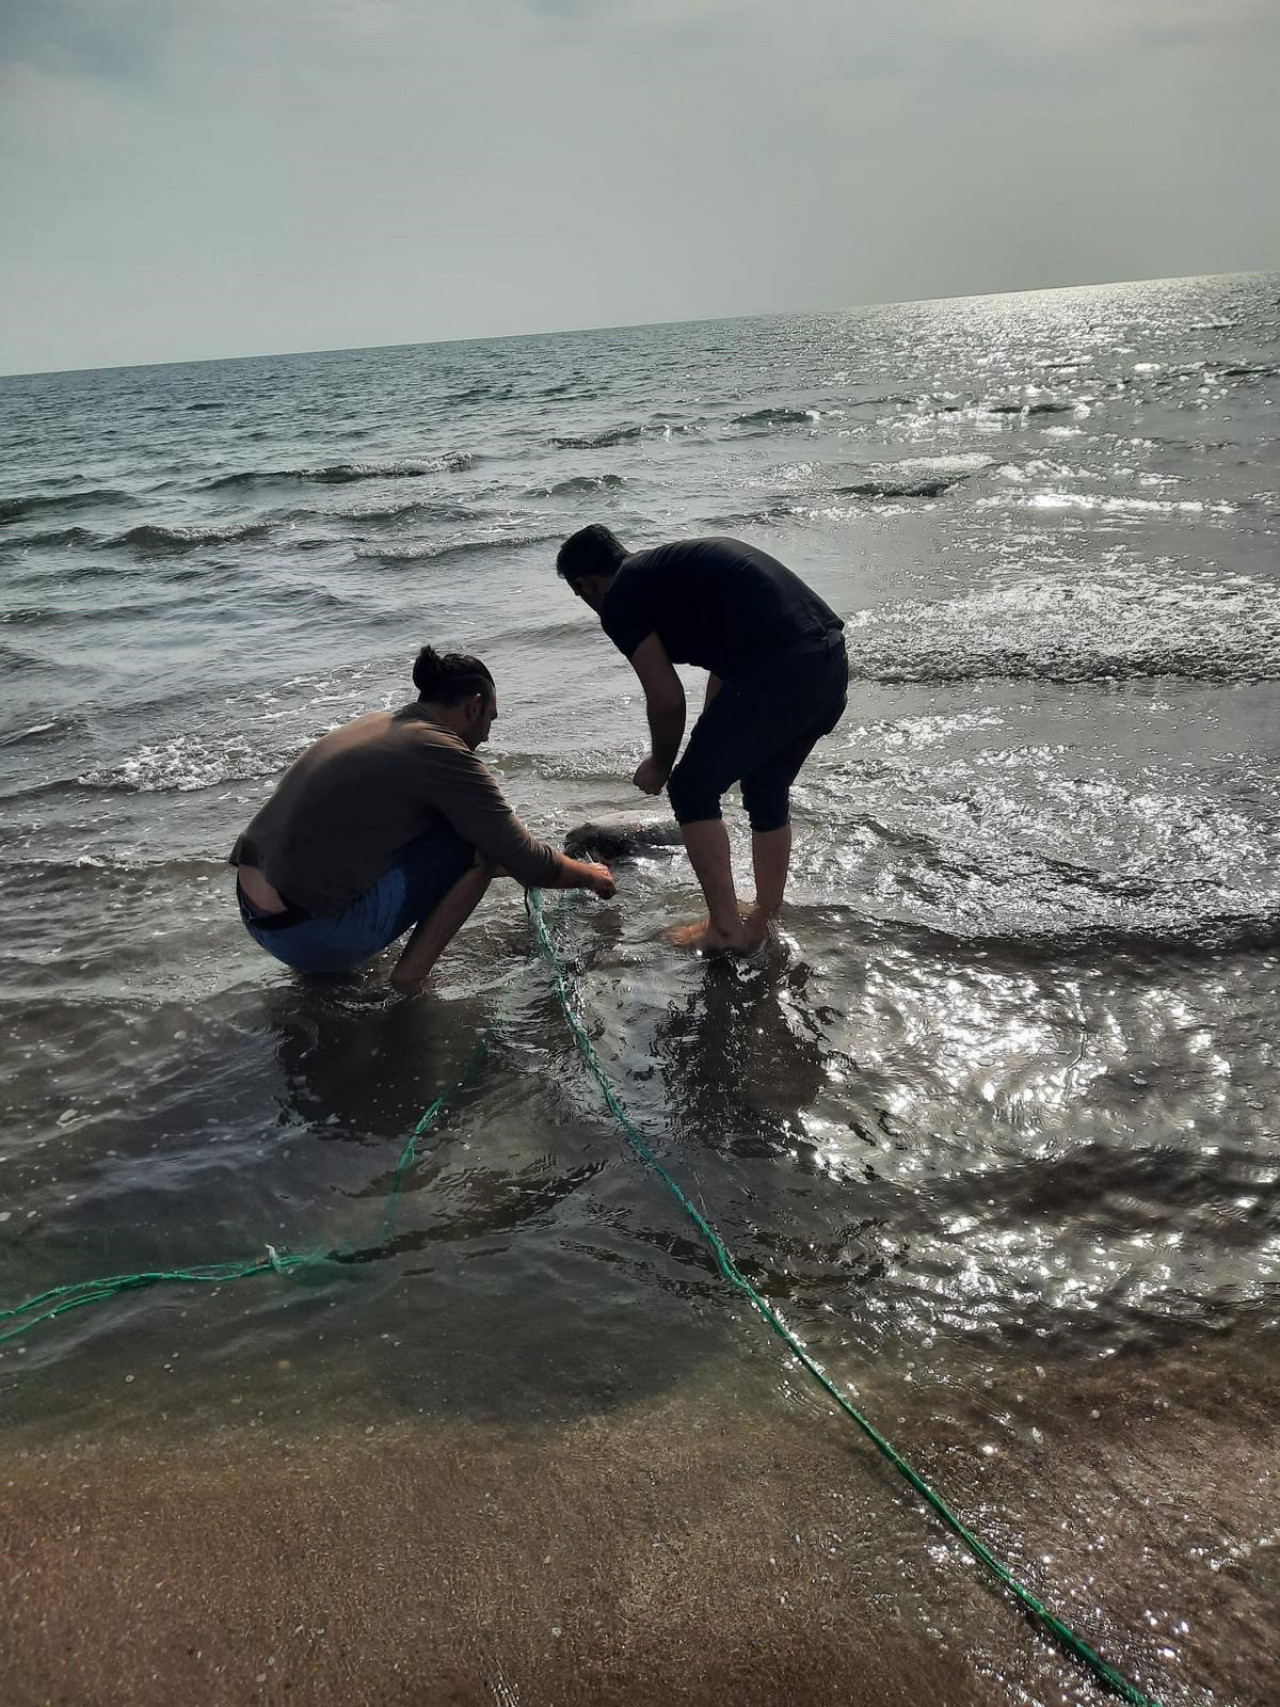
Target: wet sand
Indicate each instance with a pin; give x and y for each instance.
(700, 1547)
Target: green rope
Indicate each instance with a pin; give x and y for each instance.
(58, 1300)
(429, 1118)
(728, 1267)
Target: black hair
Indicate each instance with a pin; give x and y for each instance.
(594, 550)
(448, 679)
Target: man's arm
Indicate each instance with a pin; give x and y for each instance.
(664, 706)
(468, 795)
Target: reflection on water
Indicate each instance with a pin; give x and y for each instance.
(742, 1056)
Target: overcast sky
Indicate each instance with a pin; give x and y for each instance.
(187, 178)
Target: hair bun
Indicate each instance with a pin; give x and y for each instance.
(450, 677)
(427, 671)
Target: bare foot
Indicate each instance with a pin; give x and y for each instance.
(757, 925)
(707, 938)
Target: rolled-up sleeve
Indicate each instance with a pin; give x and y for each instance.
(469, 797)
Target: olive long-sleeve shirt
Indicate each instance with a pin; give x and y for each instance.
(343, 811)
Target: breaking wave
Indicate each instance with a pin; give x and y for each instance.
(1017, 408)
(412, 509)
(428, 551)
(776, 418)
(153, 536)
(915, 476)
(343, 473)
(598, 441)
(1077, 631)
(581, 483)
(183, 766)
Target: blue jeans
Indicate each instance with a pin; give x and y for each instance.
(422, 876)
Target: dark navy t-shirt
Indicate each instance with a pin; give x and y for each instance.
(716, 603)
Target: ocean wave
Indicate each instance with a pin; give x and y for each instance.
(141, 608)
(988, 411)
(50, 730)
(37, 572)
(429, 551)
(16, 662)
(768, 515)
(482, 392)
(37, 790)
(580, 483)
(537, 634)
(193, 408)
(916, 476)
(786, 417)
(183, 766)
(154, 536)
(1015, 408)
(37, 503)
(958, 466)
(1084, 630)
(410, 509)
(60, 536)
(1038, 468)
(31, 616)
(597, 767)
(887, 487)
(598, 441)
(343, 473)
(907, 477)
(913, 477)
(571, 388)
(95, 866)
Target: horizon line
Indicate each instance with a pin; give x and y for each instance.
(619, 326)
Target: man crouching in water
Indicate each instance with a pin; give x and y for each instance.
(778, 679)
(388, 823)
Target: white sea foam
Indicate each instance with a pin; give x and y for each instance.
(1091, 627)
(183, 765)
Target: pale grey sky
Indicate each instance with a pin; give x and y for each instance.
(187, 178)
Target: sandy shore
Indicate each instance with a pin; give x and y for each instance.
(688, 1550)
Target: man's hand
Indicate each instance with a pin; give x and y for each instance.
(600, 881)
(650, 777)
(581, 874)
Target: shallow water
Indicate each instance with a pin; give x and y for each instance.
(994, 1122)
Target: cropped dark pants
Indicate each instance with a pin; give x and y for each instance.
(759, 730)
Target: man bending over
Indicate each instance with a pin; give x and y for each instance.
(778, 677)
(392, 823)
